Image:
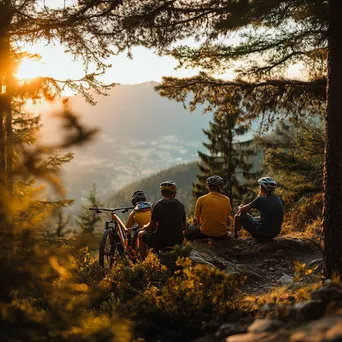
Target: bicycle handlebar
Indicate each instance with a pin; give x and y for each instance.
(122, 209)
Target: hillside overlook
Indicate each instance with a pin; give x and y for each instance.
(183, 175)
(140, 133)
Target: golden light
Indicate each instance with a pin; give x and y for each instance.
(30, 68)
(296, 71)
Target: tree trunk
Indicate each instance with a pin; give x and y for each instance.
(8, 109)
(332, 182)
(231, 123)
(2, 113)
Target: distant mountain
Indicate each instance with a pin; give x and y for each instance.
(141, 133)
(183, 175)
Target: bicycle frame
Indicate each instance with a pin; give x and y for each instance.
(119, 228)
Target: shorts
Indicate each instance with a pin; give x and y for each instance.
(250, 224)
(194, 233)
(154, 241)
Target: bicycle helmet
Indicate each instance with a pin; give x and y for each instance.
(138, 196)
(168, 186)
(214, 181)
(268, 183)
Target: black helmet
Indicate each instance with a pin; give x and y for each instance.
(138, 196)
(214, 181)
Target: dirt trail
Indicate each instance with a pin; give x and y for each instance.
(266, 265)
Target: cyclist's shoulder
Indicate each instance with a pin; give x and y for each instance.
(142, 206)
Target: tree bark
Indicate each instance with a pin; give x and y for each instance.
(2, 113)
(332, 181)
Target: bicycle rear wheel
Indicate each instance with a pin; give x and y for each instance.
(107, 249)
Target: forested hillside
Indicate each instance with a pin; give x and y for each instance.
(183, 175)
(275, 280)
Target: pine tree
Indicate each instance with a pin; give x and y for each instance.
(270, 36)
(88, 220)
(294, 154)
(228, 157)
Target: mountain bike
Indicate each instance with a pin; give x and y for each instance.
(117, 240)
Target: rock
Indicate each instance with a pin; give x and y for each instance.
(259, 265)
(264, 325)
(248, 272)
(280, 253)
(258, 337)
(206, 338)
(318, 331)
(310, 309)
(334, 334)
(328, 293)
(315, 262)
(267, 308)
(197, 258)
(271, 269)
(229, 329)
(271, 261)
(285, 280)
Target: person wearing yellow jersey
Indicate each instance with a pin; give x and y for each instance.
(212, 213)
(141, 214)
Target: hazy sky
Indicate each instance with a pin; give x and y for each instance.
(145, 66)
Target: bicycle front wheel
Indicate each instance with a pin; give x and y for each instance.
(107, 249)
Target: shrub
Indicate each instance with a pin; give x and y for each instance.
(306, 213)
(156, 298)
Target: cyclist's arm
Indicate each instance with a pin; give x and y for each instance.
(197, 214)
(130, 220)
(244, 208)
(151, 227)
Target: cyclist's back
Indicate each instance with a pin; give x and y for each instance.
(141, 214)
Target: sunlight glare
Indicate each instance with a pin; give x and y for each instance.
(29, 69)
(296, 71)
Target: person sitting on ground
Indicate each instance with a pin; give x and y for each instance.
(168, 221)
(141, 214)
(212, 211)
(271, 208)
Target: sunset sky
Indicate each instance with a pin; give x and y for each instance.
(145, 66)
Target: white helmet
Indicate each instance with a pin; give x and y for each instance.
(268, 183)
(214, 181)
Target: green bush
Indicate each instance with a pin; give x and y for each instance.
(306, 213)
(156, 298)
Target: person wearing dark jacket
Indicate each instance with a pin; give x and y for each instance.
(271, 208)
(168, 221)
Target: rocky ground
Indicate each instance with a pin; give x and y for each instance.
(285, 262)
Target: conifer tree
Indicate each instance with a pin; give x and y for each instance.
(294, 154)
(88, 220)
(227, 157)
(270, 36)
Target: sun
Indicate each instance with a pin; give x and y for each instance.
(30, 68)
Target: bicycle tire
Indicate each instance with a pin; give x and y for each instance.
(106, 258)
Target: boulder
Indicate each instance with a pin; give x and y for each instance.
(264, 325)
(259, 337)
(285, 280)
(197, 258)
(311, 309)
(229, 329)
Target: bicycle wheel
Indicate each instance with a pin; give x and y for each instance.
(107, 249)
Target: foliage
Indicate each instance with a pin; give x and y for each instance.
(183, 175)
(294, 155)
(41, 296)
(307, 212)
(154, 297)
(88, 220)
(228, 157)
